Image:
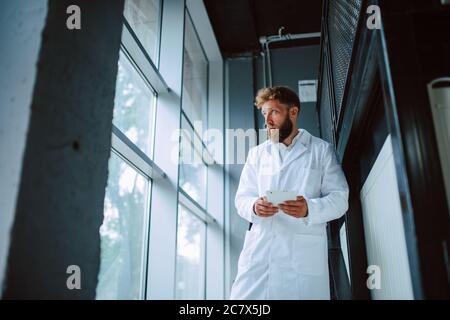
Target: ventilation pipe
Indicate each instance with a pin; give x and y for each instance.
(265, 42)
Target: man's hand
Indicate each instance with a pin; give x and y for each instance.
(297, 208)
(263, 208)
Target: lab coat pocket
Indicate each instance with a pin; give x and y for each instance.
(309, 257)
(247, 250)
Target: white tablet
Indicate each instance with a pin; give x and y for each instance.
(277, 197)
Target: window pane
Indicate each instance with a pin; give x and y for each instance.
(190, 267)
(123, 233)
(195, 76)
(134, 105)
(192, 168)
(143, 17)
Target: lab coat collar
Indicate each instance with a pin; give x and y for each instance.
(304, 137)
(301, 145)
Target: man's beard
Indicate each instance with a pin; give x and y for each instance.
(279, 135)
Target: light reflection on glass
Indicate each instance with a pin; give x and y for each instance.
(143, 17)
(122, 233)
(191, 260)
(133, 105)
(193, 170)
(195, 76)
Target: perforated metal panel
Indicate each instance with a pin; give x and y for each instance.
(326, 124)
(343, 16)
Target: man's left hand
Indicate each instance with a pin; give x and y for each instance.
(296, 208)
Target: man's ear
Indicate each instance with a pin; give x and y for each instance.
(294, 111)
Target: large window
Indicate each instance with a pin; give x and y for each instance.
(195, 76)
(192, 212)
(125, 230)
(144, 18)
(134, 105)
(193, 169)
(194, 116)
(191, 258)
(156, 224)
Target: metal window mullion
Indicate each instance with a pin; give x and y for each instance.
(127, 149)
(144, 249)
(197, 36)
(192, 145)
(133, 47)
(193, 206)
(198, 136)
(158, 37)
(207, 83)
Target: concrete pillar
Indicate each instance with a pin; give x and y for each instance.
(60, 202)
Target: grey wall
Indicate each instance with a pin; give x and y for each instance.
(243, 77)
(60, 200)
(289, 65)
(21, 25)
(239, 114)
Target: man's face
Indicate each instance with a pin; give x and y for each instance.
(276, 116)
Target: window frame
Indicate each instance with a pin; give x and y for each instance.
(184, 199)
(198, 213)
(165, 196)
(128, 151)
(205, 112)
(205, 115)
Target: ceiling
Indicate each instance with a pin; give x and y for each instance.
(238, 24)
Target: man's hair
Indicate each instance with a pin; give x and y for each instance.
(281, 93)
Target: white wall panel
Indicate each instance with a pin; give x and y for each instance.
(440, 107)
(384, 232)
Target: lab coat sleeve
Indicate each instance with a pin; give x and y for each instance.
(333, 202)
(247, 192)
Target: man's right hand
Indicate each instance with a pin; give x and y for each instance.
(263, 208)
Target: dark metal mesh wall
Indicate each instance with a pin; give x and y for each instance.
(342, 20)
(326, 123)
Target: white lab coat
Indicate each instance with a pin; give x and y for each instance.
(285, 257)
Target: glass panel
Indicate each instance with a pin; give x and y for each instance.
(134, 105)
(192, 168)
(123, 233)
(195, 77)
(143, 17)
(191, 262)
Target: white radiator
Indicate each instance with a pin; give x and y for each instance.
(383, 228)
(439, 92)
(344, 248)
